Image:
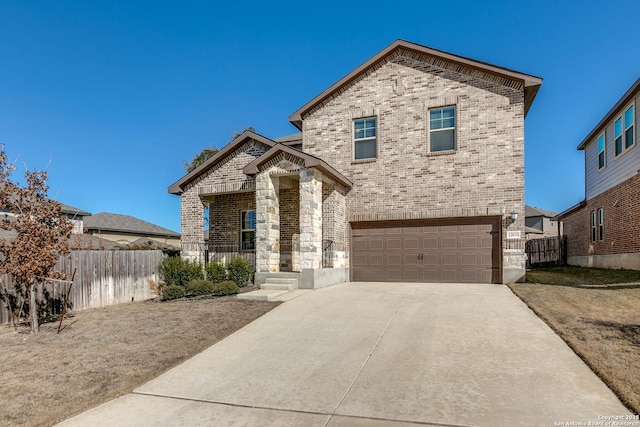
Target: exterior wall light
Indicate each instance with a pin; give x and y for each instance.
(514, 215)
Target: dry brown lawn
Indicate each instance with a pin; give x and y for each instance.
(597, 313)
(104, 353)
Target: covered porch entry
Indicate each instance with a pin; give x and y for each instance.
(300, 218)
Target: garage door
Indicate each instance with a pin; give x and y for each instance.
(434, 251)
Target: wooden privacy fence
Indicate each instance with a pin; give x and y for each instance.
(102, 278)
(547, 251)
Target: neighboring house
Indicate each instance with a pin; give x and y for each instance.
(89, 242)
(540, 223)
(128, 230)
(604, 229)
(410, 168)
(76, 216)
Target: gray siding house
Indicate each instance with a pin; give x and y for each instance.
(604, 229)
(410, 168)
(540, 223)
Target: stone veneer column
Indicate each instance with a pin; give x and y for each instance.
(191, 225)
(310, 219)
(267, 223)
(514, 258)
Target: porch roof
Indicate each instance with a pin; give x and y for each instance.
(309, 161)
(178, 186)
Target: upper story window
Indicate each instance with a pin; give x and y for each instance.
(602, 152)
(628, 128)
(623, 129)
(364, 138)
(442, 129)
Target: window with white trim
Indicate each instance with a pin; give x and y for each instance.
(364, 138)
(593, 226)
(600, 224)
(602, 152)
(442, 129)
(623, 130)
(628, 128)
(247, 230)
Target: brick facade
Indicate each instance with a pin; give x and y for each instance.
(289, 215)
(224, 216)
(483, 177)
(224, 177)
(621, 232)
(334, 226)
(612, 192)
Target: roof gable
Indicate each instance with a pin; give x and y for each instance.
(178, 186)
(531, 83)
(622, 102)
(307, 160)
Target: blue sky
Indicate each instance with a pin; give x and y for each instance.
(113, 96)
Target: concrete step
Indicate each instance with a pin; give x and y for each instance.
(262, 294)
(279, 283)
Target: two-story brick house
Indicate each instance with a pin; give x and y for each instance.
(604, 229)
(410, 168)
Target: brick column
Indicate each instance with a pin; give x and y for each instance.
(310, 219)
(267, 223)
(191, 225)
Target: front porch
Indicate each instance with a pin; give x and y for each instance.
(287, 216)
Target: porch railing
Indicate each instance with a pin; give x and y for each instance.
(226, 251)
(327, 253)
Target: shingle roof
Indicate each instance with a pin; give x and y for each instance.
(145, 241)
(89, 242)
(70, 210)
(106, 221)
(530, 211)
(294, 139)
(532, 230)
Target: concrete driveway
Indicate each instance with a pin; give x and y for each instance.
(377, 354)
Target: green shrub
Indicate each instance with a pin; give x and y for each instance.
(177, 271)
(172, 292)
(216, 271)
(200, 287)
(240, 271)
(225, 288)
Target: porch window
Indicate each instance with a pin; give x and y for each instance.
(364, 138)
(442, 129)
(248, 230)
(602, 159)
